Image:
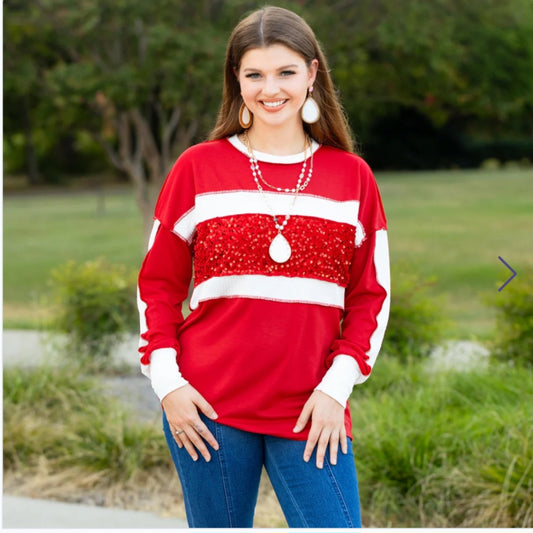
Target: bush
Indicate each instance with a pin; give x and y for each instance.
(513, 339)
(59, 417)
(416, 321)
(96, 307)
(448, 449)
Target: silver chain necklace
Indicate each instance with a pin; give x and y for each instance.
(280, 249)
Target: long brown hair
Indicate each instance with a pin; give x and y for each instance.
(275, 25)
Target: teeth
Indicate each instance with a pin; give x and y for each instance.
(274, 104)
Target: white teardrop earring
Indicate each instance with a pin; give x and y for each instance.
(310, 110)
(245, 117)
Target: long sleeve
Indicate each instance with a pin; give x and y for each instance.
(163, 285)
(340, 378)
(164, 280)
(367, 299)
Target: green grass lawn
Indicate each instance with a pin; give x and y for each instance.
(44, 231)
(450, 226)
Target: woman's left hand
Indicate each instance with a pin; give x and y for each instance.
(327, 427)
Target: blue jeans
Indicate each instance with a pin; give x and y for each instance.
(223, 492)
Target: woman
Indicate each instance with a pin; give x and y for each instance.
(288, 237)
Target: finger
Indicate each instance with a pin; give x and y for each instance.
(204, 432)
(189, 446)
(178, 440)
(206, 407)
(303, 418)
(344, 440)
(322, 447)
(333, 447)
(197, 442)
(312, 439)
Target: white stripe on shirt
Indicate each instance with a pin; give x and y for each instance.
(221, 204)
(276, 288)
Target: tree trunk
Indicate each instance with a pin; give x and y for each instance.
(146, 207)
(140, 157)
(32, 166)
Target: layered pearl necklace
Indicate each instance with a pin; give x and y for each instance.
(280, 249)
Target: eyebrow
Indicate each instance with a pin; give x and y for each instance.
(280, 68)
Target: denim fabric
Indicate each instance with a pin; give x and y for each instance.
(223, 492)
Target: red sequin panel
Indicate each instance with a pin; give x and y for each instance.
(238, 245)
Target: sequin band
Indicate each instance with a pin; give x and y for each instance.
(238, 245)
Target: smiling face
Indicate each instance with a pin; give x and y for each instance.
(274, 82)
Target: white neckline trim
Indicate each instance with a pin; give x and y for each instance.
(272, 158)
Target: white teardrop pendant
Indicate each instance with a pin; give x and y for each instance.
(280, 249)
(310, 111)
(246, 115)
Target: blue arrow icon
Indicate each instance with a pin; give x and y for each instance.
(514, 273)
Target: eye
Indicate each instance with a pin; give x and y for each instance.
(253, 75)
(286, 73)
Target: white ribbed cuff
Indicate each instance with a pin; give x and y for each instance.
(340, 378)
(164, 372)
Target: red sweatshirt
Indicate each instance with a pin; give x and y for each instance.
(261, 335)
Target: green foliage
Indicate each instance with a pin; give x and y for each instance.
(96, 306)
(448, 59)
(444, 449)
(432, 449)
(416, 322)
(513, 336)
(83, 65)
(64, 418)
(118, 71)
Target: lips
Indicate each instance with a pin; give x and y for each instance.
(273, 104)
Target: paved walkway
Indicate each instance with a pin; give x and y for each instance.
(27, 348)
(27, 513)
(30, 348)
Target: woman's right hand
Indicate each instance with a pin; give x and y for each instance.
(181, 408)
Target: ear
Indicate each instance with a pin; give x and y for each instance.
(236, 72)
(312, 71)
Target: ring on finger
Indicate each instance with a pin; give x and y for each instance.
(179, 431)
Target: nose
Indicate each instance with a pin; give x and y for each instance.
(271, 86)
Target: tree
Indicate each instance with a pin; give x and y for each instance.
(466, 63)
(27, 51)
(143, 78)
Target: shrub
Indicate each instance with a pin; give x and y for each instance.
(416, 321)
(96, 307)
(449, 449)
(513, 338)
(59, 417)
